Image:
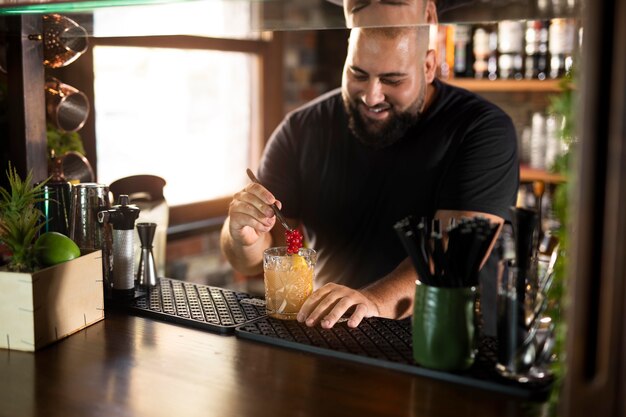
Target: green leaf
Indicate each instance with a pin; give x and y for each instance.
(20, 220)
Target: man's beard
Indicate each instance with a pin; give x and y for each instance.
(381, 135)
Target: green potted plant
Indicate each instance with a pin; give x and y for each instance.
(20, 221)
(47, 290)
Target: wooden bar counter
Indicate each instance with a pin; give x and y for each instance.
(133, 366)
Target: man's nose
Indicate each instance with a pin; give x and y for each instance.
(373, 94)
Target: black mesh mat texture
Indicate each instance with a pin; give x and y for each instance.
(200, 306)
(387, 343)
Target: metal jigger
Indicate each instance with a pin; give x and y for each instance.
(146, 274)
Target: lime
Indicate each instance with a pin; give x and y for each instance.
(53, 248)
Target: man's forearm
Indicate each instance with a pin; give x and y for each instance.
(394, 294)
(247, 260)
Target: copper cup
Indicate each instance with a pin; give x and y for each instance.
(66, 107)
(64, 40)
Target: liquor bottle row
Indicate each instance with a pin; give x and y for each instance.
(533, 49)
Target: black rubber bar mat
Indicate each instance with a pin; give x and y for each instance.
(387, 343)
(200, 306)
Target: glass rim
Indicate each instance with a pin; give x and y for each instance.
(282, 251)
(419, 283)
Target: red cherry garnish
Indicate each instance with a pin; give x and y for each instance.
(294, 240)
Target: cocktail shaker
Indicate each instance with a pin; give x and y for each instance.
(87, 200)
(122, 217)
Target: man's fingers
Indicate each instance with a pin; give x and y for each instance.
(311, 303)
(361, 311)
(322, 309)
(337, 311)
(260, 193)
(251, 204)
(331, 302)
(240, 220)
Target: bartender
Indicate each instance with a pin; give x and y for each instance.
(393, 141)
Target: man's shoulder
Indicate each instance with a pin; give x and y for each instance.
(327, 105)
(322, 118)
(465, 103)
(464, 115)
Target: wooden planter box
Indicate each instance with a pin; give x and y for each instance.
(40, 308)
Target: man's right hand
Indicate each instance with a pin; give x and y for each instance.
(247, 230)
(251, 215)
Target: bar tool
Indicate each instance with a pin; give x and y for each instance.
(545, 341)
(274, 207)
(524, 223)
(122, 217)
(525, 335)
(147, 273)
(87, 200)
(508, 311)
(55, 201)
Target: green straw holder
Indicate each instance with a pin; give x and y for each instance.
(444, 327)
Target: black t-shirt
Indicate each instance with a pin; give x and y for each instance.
(461, 155)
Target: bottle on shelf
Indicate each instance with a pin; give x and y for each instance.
(511, 49)
(536, 38)
(537, 141)
(561, 40)
(463, 51)
(553, 143)
(485, 47)
(524, 145)
(540, 144)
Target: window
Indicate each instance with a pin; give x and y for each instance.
(185, 115)
(187, 108)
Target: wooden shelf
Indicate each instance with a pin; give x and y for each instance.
(528, 174)
(545, 86)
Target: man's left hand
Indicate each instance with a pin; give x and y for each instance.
(329, 303)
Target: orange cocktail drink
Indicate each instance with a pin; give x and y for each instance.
(288, 280)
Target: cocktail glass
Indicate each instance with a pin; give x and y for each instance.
(288, 280)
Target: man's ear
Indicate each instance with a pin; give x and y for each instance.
(430, 13)
(430, 66)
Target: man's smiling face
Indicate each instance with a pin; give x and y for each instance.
(383, 84)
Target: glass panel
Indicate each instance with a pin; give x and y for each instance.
(211, 19)
(180, 114)
(197, 16)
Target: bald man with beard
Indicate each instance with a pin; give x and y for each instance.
(393, 141)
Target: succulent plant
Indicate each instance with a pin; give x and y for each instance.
(20, 220)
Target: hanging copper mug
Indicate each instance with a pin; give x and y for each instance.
(66, 107)
(64, 40)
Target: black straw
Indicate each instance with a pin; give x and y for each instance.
(468, 241)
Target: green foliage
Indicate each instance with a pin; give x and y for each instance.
(20, 220)
(563, 105)
(61, 142)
